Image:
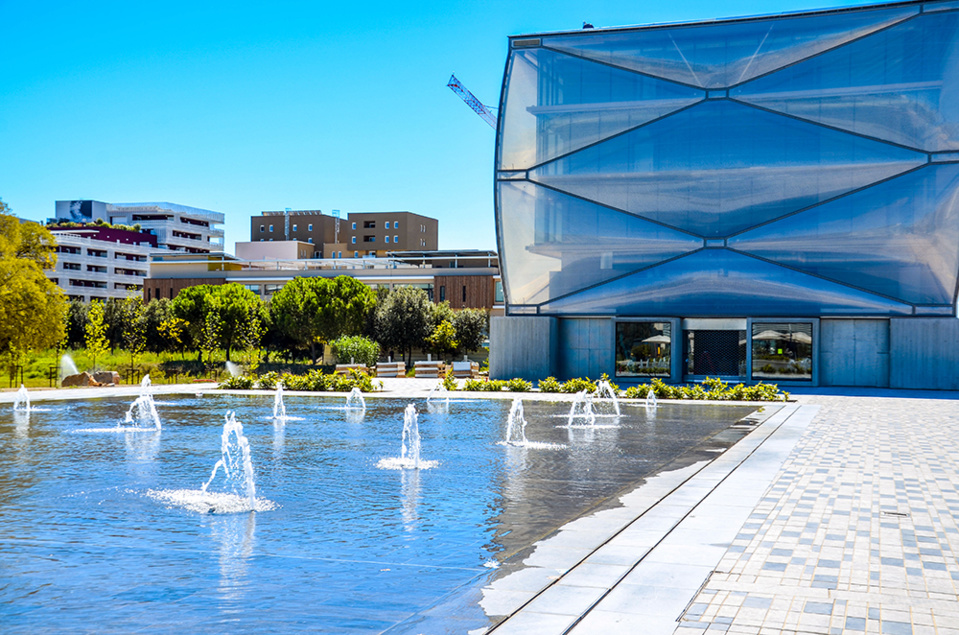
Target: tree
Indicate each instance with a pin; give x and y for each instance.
(233, 304)
(114, 318)
(403, 320)
(472, 327)
(155, 313)
(134, 326)
(311, 311)
(172, 330)
(96, 332)
(32, 308)
(76, 323)
(442, 340)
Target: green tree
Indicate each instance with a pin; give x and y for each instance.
(172, 330)
(76, 323)
(32, 308)
(211, 333)
(134, 326)
(472, 327)
(233, 304)
(312, 311)
(96, 332)
(114, 317)
(154, 314)
(442, 340)
(403, 320)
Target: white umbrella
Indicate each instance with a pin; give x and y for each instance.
(657, 339)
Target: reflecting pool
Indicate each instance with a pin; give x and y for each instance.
(341, 545)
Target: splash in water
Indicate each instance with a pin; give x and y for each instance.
(355, 400)
(279, 408)
(439, 399)
(143, 412)
(651, 399)
(606, 396)
(516, 430)
(21, 403)
(237, 491)
(581, 412)
(409, 458)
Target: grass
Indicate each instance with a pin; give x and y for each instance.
(162, 367)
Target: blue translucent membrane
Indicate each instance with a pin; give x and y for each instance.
(720, 167)
(721, 55)
(899, 238)
(556, 104)
(719, 283)
(555, 244)
(901, 85)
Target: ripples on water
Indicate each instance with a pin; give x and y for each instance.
(110, 532)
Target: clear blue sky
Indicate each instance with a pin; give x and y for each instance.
(243, 107)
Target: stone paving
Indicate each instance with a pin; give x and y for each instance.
(858, 532)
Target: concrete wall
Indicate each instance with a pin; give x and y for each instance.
(522, 347)
(585, 348)
(854, 353)
(925, 353)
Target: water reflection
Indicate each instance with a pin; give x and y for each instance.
(410, 496)
(234, 534)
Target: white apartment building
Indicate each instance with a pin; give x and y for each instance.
(100, 262)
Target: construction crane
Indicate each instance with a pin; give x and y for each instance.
(478, 107)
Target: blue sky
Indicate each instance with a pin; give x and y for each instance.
(243, 107)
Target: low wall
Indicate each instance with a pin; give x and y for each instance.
(924, 353)
(522, 347)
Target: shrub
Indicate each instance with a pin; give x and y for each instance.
(640, 391)
(361, 349)
(268, 381)
(519, 385)
(484, 385)
(240, 382)
(578, 384)
(449, 382)
(473, 385)
(550, 384)
(494, 385)
(712, 388)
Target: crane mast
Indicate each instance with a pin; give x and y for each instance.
(478, 107)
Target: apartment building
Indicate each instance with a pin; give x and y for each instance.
(96, 262)
(358, 235)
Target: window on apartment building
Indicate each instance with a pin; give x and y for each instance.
(396, 239)
(354, 225)
(356, 254)
(387, 224)
(310, 240)
(369, 224)
(309, 227)
(261, 227)
(464, 293)
(387, 239)
(369, 238)
(340, 255)
(271, 228)
(396, 224)
(354, 240)
(442, 293)
(294, 226)
(72, 266)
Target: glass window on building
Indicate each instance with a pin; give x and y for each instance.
(396, 239)
(270, 289)
(387, 239)
(271, 227)
(354, 240)
(294, 227)
(715, 353)
(498, 292)
(261, 227)
(782, 351)
(255, 288)
(642, 348)
(387, 224)
(309, 227)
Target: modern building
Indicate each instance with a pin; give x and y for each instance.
(358, 235)
(465, 279)
(770, 198)
(96, 262)
(176, 227)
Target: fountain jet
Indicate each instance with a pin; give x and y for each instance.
(143, 412)
(21, 403)
(235, 461)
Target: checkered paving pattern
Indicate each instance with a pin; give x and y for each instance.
(858, 533)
